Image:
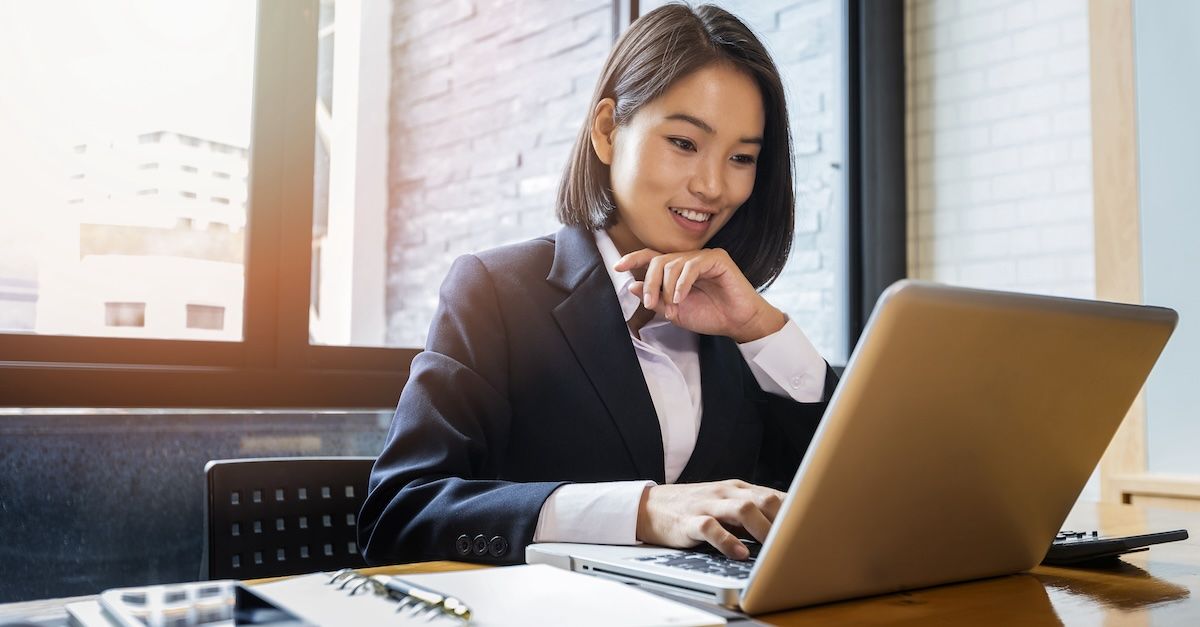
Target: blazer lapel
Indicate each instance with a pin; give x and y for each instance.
(721, 397)
(591, 320)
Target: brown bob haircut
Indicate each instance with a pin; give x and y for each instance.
(660, 48)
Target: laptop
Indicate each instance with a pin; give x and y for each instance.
(963, 430)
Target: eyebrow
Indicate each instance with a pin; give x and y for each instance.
(702, 125)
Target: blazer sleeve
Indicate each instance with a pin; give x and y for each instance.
(788, 429)
(434, 492)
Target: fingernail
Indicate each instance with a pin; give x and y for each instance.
(676, 298)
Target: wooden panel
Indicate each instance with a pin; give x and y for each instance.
(1146, 484)
(1166, 502)
(1115, 190)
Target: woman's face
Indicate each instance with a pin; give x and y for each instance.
(684, 162)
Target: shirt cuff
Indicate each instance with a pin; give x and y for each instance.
(595, 513)
(785, 363)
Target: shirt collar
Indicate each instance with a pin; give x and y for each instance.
(620, 280)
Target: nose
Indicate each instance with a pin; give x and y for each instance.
(707, 180)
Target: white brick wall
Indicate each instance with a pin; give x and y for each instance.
(999, 144)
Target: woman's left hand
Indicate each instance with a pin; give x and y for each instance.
(702, 291)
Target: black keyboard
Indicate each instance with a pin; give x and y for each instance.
(707, 559)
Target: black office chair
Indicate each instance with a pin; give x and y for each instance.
(279, 516)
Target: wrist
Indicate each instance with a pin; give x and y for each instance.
(766, 321)
(642, 528)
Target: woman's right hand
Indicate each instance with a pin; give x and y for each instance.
(684, 515)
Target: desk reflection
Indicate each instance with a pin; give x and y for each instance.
(1117, 585)
(1012, 600)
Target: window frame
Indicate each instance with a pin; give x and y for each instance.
(274, 365)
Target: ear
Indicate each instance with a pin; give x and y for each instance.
(604, 127)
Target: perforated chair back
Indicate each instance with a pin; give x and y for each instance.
(283, 516)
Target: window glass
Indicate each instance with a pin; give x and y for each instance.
(123, 125)
(470, 111)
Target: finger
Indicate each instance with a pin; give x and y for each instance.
(636, 259)
(653, 283)
(707, 529)
(687, 277)
(746, 514)
(769, 501)
(671, 272)
(635, 288)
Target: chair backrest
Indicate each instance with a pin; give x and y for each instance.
(279, 516)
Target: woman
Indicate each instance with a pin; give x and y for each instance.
(623, 380)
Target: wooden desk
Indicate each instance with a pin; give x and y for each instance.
(1159, 587)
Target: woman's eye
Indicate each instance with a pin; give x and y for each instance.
(685, 144)
(744, 159)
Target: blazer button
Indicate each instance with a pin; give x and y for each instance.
(498, 546)
(463, 545)
(480, 544)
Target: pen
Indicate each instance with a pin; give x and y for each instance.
(449, 605)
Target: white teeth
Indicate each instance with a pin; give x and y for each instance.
(694, 216)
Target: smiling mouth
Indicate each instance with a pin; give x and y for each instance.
(694, 216)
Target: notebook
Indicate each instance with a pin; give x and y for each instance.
(497, 597)
(964, 429)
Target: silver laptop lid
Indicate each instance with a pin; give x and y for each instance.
(965, 427)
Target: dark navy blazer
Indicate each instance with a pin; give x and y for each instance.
(529, 380)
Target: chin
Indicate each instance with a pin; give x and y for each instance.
(678, 245)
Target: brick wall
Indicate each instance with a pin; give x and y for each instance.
(486, 99)
(1000, 144)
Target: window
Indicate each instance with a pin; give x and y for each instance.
(189, 71)
(265, 303)
(205, 317)
(124, 314)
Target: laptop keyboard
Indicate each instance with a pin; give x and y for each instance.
(705, 562)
